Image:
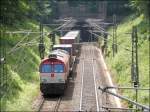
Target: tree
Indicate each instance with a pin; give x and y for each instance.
(16, 11)
(142, 6)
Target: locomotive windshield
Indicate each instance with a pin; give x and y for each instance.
(46, 68)
(58, 68)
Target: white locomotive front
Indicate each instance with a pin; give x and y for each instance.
(54, 72)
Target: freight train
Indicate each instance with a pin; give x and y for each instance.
(54, 70)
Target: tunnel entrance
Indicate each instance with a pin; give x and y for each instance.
(85, 35)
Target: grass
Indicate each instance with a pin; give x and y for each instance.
(120, 65)
(22, 68)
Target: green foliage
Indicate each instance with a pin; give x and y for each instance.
(92, 5)
(10, 11)
(121, 63)
(117, 7)
(16, 11)
(141, 6)
(22, 68)
(113, 6)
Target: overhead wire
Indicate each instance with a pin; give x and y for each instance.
(110, 40)
(32, 42)
(29, 32)
(23, 38)
(102, 32)
(19, 44)
(20, 58)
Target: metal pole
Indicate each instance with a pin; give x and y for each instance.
(53, 38)
(116, 47)
(41, 43)
(137, 67)
(61, 33)
(124, 98)
(40, 40)
(90, 40)
(116, 108)
(137, 70)
(134, 66)
(115, 87)
(136, 92)
(149, 52)
(1, 65)
(113, 45)
(5, 64)
(91, 34)
(105, 44)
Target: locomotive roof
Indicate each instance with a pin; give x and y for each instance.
(62, 45)
(71, 35)
(59, 52)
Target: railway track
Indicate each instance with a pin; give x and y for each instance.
(57, 105)
(49, 104)
(88, 99)
(83, 94)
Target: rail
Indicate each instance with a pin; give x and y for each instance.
(44, 102)
(41, 105)
(57, 105)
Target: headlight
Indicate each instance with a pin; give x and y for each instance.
(43, 80)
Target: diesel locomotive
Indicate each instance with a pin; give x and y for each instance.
(54, 70)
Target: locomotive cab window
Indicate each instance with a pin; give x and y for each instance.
(46, 68)
(59, 68)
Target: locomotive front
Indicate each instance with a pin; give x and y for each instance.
(54, 72)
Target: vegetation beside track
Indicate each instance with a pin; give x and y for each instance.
(20, 80)
(120, 65)
(22, 65)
